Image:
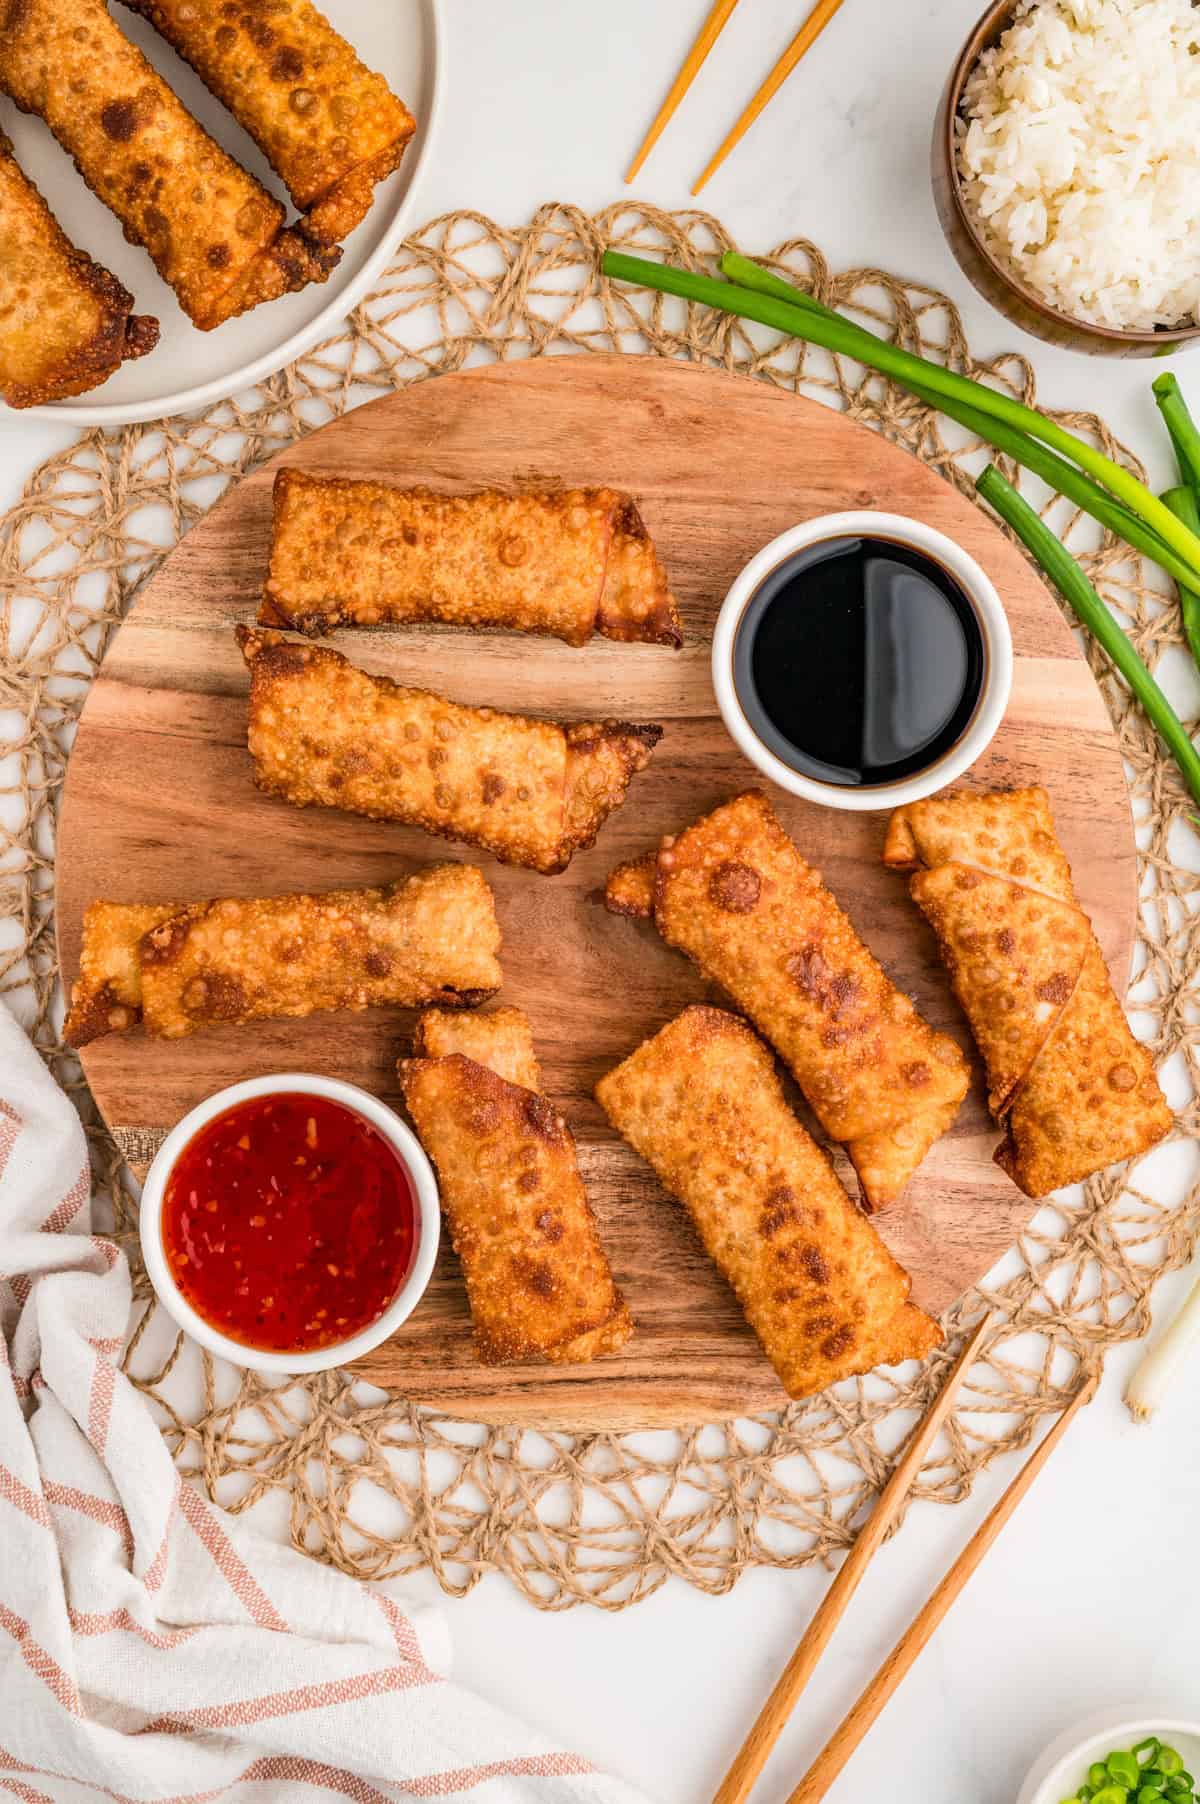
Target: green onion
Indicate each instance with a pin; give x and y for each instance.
(1147, 1751)
(1058, 564)
(1182, 428)
(840, 336)
(1169, 1761)
(1182, 503)
(1122, 1767)
(1053, 469)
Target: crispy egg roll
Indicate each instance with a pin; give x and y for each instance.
(178, 966)
(65, 323)
(329, 127)
(106, 997)
(533, 792)
(214, 233)
(1072, 1089)
(733, 893)
(566, 563)
(538, 1281)
(701, 1103)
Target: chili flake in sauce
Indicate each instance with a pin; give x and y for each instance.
(289, 1223)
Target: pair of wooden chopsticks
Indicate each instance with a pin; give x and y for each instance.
(710, 31)
(736, 1785)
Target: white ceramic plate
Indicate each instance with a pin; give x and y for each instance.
(191, 369)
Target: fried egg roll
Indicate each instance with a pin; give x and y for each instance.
(533, 792)
(214, 233)
(329, 126)
(701, 1103)
(733, 893)
(106, 997)
(566, 563)
(538, 1281)
(179, 966)
(1072, 1089)
(65, 323)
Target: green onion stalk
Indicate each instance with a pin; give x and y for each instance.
(1182, 503)
(1058, 564)
(1179, 423)
(818, 325)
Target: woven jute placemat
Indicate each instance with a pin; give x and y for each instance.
(377, 1485)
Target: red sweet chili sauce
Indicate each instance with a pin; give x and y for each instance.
(289, 1223)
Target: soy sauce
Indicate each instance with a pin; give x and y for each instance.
(859, 661)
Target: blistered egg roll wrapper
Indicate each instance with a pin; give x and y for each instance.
(733, 893)
(66, 324)
(214, 233)
(431, 938)
(1072, 1088)
(564, 563)
(500, 1038)
(106, 997)
(702, 1104)
(538, 1280)
(533, 792)
(330, 127)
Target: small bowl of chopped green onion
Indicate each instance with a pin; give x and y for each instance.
(1152, 1760)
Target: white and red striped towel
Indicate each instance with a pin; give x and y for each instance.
(149, 1648)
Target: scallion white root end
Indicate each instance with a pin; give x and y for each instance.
(1150, 1382)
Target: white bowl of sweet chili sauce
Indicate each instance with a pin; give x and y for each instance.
(290, 1223)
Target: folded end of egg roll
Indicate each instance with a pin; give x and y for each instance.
(636, 603)
(106, 997)
(66, 323)
(629, 889)
(538, 1281)
(501, 1039)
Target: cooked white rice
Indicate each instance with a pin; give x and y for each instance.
(1079, 154)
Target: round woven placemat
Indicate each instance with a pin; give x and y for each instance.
(376, 1485)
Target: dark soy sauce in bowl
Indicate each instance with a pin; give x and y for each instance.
(859, 661)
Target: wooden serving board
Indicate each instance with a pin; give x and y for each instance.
(160, 804)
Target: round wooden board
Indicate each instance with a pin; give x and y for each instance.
(160, 804)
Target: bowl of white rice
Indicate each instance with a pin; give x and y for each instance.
(1066, 166)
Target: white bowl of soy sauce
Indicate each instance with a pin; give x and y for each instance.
(862, 660)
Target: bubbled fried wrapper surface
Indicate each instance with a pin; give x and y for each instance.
(709, 1503)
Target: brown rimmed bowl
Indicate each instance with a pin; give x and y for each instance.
(998, 284)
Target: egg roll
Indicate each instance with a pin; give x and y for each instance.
(533, 792)
(733, 893)
(433, 937)
(702, 1104)
(566, 563)
(329, 127)
(1072, 1089)
(215, 235)
(106, 997)
(538, 1280)
(66, 324)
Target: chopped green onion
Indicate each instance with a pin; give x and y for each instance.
(1058, 564)
(1149, 1794)
(1111, 1794)
(1122, 1767)
(1169, 1761)
(1098, 1774)
(1147, 1751)
(1018, 445)
(1181, 426)
(840, 336)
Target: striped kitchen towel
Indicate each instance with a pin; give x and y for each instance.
(151, 1649)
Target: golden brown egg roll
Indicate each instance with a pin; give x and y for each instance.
(214, 233)
(538, 1280)
(433, 937)
(1071, 1087)
(329, 126)
(65, 323)
(701, 1103)
(533, 792)
(733, 893)
(106, 997)
(566, 563)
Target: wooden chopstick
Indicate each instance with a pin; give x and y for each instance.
(807, 35)
(710, 31)
(842, 1743)
(752, 1757)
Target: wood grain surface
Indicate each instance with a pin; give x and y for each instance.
(159, 805)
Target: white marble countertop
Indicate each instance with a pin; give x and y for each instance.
(1093, 1595)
